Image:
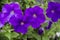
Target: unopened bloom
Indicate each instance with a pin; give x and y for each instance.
(53, 11)
(49, 25)
(41, 31)
(36, 16)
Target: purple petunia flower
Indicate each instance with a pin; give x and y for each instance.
(53, 11)
(19, 25)
(49, 25)
(12, 9)
(35, 15)
(3, 19)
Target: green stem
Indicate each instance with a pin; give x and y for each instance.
(56, 27)
(41, 37)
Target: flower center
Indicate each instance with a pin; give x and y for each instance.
(12, 13)
(22, 23)
(34, 15)
(52, 11)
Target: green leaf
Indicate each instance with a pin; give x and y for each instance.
(45, 38)
(5, 1)
(45, 24)
(7, 28)
(3, 37)
(57, 25)
(35, 35)
(51, 31)
(24, 37)
(14, 34)
(8, 35)
(30, 29)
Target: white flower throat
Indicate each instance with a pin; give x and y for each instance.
(22, 23)
(34, 15)
(52, 11)
(12, 13)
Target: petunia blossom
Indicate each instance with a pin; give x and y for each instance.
(12, 9)
(53, 11)
(19, 25)
(35, 15)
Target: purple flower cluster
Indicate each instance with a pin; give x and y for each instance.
(33, 16)
(52, 12)
(19, 20)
